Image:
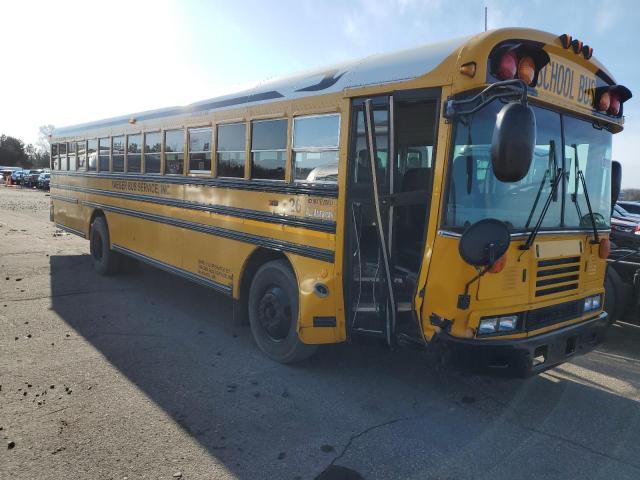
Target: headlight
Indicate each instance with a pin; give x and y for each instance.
(592, 303)
(492, 325)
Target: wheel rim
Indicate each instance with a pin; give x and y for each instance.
(96, 246)
(274, 313)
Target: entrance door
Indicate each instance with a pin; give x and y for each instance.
(387, 210)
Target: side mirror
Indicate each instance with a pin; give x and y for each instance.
(514, 139)
(484, 242)
(616, 182)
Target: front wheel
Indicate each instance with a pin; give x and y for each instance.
(273, 313)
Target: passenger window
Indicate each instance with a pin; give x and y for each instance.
(55, 159)
(315, 147)
(200, 150)
(117, 154)
(64, 162)
(134, 153)
(152, 150)
(174, 152)
(269, 149)
(92, 155)
(231, 150)
(104, 151)
(81, 148)
(71, 155)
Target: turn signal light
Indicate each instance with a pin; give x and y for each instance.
(499, 264)
(605, 248)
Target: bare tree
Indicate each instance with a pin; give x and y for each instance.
(44, 133)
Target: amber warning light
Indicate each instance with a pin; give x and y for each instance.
(518, 61)
(609, 99)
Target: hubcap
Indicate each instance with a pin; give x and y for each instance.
(274, 313)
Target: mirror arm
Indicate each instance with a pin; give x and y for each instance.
(508, 89)
(464, 300)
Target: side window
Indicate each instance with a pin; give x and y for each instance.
(231, 150)
(71, 154)
(174, 152)
(269, 149)
(55, 159)
(117, 154)
(81, 148)
(104, 151)
(200, 150)
(64, 162)
(134, 153)
(315, 148)
(92, 155)
(152, 149)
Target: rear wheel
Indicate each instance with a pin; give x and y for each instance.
(273, 313)
(105, 260)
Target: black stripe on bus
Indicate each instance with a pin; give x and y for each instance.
(295, 248)
(298, 188)
(219, 287)
(64, 198)
(311, 224)
(70, 230)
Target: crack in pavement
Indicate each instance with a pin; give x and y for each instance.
(361, 434)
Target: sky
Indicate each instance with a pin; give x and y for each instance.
(66, 62)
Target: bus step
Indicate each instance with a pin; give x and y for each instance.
(373, 308)
(368, 332)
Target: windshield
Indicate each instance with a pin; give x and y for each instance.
(474, 193)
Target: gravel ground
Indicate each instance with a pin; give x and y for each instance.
(145, 376)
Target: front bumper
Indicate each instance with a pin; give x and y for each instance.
(526, 356)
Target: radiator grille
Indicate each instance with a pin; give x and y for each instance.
(557, 275)
(543, 317)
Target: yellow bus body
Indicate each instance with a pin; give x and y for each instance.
(211, 232)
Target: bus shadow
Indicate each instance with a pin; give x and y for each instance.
(177, 343)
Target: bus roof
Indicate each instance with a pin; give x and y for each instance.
(388, 68)
(373, 70)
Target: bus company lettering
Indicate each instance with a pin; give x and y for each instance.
(214, 272)
(321, 208)
(139, 187)
(564, 81)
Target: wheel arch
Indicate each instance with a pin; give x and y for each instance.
(253, 262)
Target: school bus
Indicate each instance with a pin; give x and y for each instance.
(478, 232)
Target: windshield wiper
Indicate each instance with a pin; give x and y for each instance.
(552, 167)
(552, 194)
(574, 197)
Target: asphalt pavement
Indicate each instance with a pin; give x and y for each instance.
(144, 375)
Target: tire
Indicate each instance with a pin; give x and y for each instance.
(105, 260)
(614, 301)
(273, 313)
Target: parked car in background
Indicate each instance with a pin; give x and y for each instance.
(630, 206)
(43, 180)
(625, 232)
(16, 177)
(30, 179)
(623, 214)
